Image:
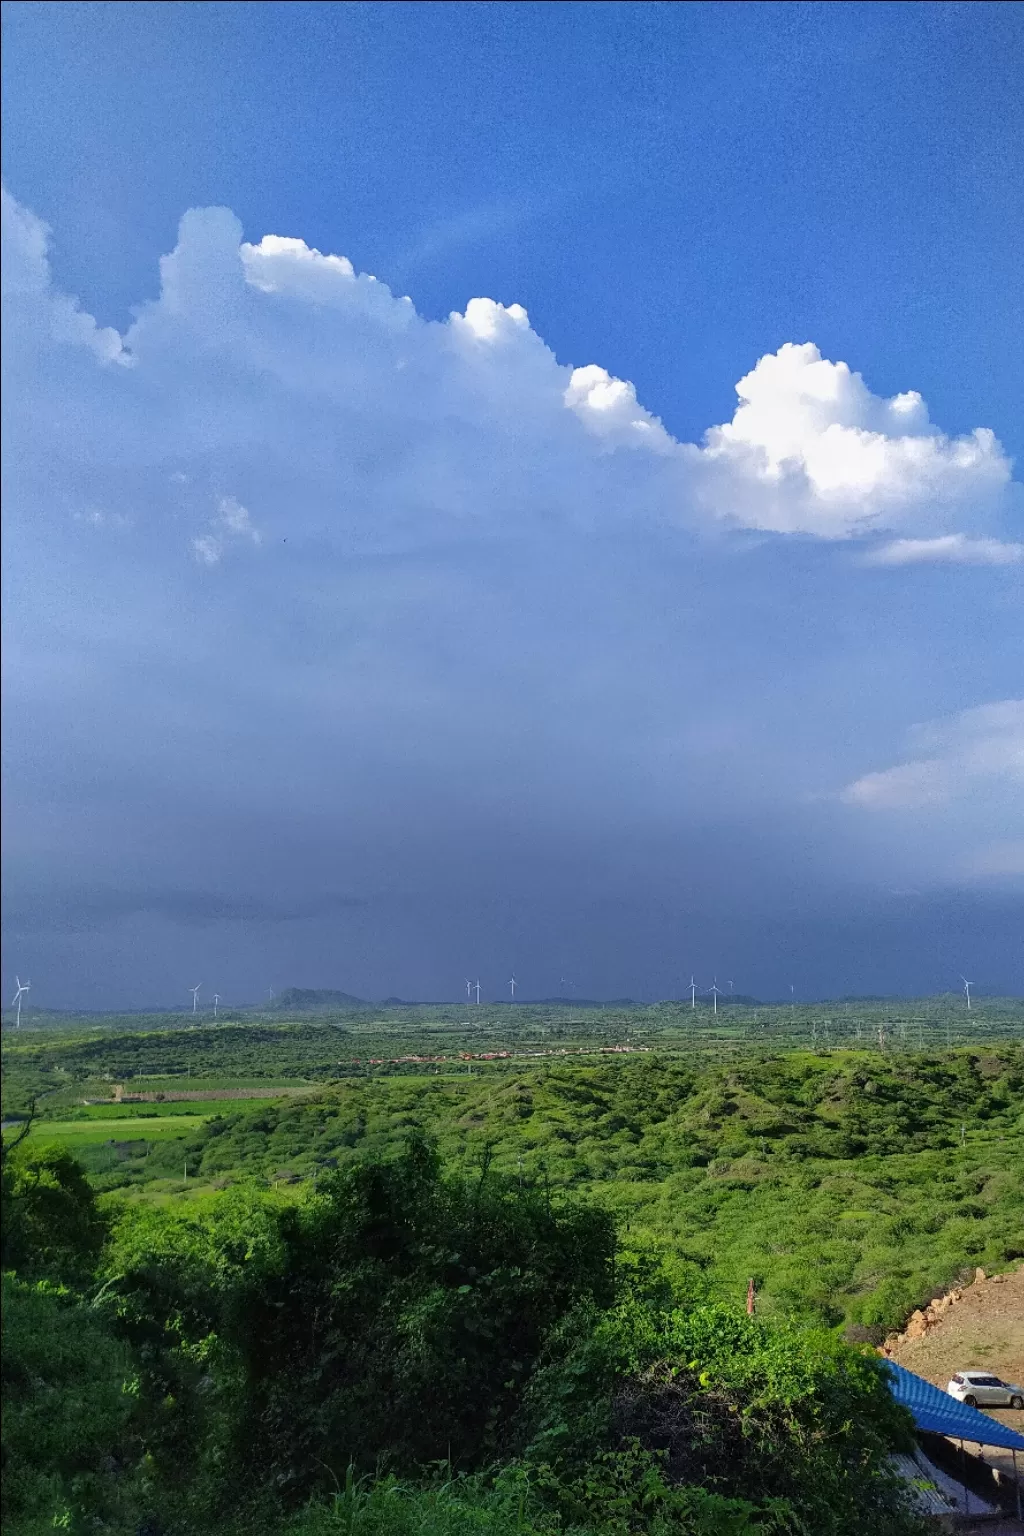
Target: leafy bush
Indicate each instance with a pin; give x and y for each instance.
(395, 1315)
(455, 1507)
(50, 1224)
(513, 1504)
(788, 1428)
(70, 1452)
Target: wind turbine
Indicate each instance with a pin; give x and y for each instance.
(23, 986)
(967, 988)
(216, 1000)
(715, 991)
(693, 991)
(195, 997)
(469, 990)
(512, 984)
(478, 990)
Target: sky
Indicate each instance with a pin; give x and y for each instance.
(512, 489)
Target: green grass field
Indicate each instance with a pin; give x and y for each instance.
(106, 1137)
(212, 1101)
(77, 1133)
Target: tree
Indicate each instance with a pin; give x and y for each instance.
(396, 1314)
(49, 1221)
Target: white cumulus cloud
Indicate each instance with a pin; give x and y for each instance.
(948, 549)
(343, 414)
(609, 409)
(954, 758)
(27, 286)
(812, 450)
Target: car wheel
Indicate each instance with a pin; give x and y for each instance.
(1017, 1402)
(971, 1400)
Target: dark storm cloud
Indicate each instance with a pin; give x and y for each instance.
(82, 911)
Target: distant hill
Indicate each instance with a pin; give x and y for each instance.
(314, 1000)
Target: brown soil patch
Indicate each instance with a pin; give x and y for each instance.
(201, 1095)
(984, 1328)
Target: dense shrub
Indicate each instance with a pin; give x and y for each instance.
(71, 1457)
(789, 1424)
(393, 1316)
(49, 1221)
(409, 1349)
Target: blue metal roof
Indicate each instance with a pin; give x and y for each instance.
(935, 1410)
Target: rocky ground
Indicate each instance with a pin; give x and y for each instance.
(981, 1324)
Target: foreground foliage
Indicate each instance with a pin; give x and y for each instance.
(395, 1311)
(409, 1349)
(69, 1451)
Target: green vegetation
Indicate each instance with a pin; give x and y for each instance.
(57, 1055)
(71, 1456)
(849, 1185)
(49, 1221)
(246, 1355)
(480, 1296)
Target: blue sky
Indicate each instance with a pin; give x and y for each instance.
(353, 644)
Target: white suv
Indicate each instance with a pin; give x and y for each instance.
(981, 1388)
